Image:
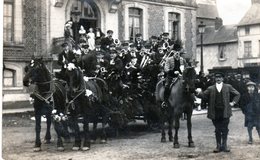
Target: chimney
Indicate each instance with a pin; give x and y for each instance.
(218, 23)
(255, 1)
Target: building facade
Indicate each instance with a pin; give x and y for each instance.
(37, 27)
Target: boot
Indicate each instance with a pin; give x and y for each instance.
(218, 140)
(250, 141)
(224, 143)
(166, 97)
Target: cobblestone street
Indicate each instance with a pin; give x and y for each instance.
(138, 143)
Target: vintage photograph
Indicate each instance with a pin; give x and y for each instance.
(130, 79)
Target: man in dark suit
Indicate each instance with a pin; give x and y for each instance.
(107, 41)
(219, 109)
(64, 58)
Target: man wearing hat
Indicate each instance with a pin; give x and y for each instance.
(172, 69)
(168, 44)
(64, 58)
(250, 105)
(138, 41)
(107, 41)
(219, 108)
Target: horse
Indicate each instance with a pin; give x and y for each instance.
(85, 98)
(181, 101)
(48, 94)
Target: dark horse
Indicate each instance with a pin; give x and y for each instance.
(84, 96)
(181, 100)
(48, 95)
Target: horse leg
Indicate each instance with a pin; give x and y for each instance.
(163, 139)
(170, 122)
(58, 129)
(94, 132)
(66, 133)
(37, 146)
(77, 142)
(104, 122)
(48, 132)
(177, 125)
(189, 126)
(86, 144)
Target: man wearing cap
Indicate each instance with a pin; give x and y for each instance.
(172, 69)
(107, 41)
(138, 41)
(219, 109)
(250, 105)
(168, 44)
(64, 58)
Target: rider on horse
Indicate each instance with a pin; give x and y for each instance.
(172, 69)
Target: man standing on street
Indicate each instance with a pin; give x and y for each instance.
(219, 109)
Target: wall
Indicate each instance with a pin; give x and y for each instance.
(211, 54)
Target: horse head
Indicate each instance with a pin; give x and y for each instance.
(36, 72)
(75, 77)
(189, 77)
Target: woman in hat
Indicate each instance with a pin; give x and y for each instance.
(250, 103)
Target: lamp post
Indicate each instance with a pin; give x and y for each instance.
(75, 14)
(201, 27)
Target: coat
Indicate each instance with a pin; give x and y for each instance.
(250, 106)
(210, 95)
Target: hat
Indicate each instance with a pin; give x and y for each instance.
(64, 44)
(110, 31)
(154, 37)
(165, 34)
(219, 74)
(147, 46)
(138, 35)
(250, 83)
(85, 46)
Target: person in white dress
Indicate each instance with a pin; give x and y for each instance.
(91, 39)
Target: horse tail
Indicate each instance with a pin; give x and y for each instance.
(158, 89)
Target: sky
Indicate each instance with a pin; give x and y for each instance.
(232, 11)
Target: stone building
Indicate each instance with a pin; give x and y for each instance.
(36, 28)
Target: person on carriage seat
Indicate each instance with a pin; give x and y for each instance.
(107, 41)
(64, 58)
(173, 68)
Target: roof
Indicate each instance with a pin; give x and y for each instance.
(225, 34)
(207, 11)
(252, 16)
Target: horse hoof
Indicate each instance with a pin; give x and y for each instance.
(176, 145)
(85, 148)
(191, 144)
(37, 149)
(60, 149)
(92, 141)
(163, 140)
(103, 141)
(75, 148)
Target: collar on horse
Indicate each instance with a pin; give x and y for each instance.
(49, 94)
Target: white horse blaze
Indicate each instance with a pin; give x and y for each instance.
(88, 93)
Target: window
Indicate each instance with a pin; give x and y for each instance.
(247, 49)
(247, 30)
(221, 51)
(173, 22)
(9, 78)
(135, 22)
(8, 22)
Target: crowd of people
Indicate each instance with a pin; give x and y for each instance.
(133, 62)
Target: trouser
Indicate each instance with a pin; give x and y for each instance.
(221, 131)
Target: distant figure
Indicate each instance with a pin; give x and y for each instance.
(91, 39)
(250, 105)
